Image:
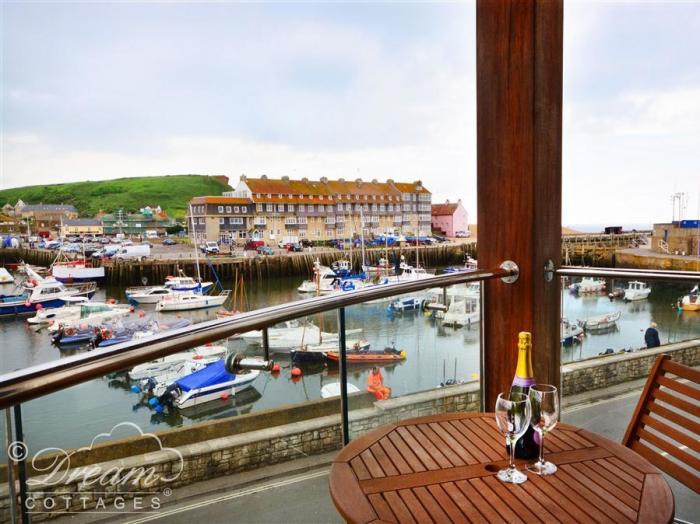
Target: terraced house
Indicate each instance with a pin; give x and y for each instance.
(316, 210)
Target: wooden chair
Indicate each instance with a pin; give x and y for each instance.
(665, 421)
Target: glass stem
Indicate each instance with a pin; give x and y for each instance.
(541, 446)
(512, 453)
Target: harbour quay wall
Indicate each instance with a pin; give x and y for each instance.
(251, 267)
(647, 259)
(610, 370)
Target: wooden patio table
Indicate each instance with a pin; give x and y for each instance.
(442, 469)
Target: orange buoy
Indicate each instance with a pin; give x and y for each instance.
(225, 395)
(296, 372)
(276, 368)
(142, 313)
(132, 309)
(38, 307)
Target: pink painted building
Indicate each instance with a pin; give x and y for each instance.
(450, 219)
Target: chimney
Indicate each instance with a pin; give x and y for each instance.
(263, 177)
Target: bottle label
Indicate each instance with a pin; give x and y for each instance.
(523, 382)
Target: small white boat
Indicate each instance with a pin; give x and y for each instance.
(148, 294)
(462, 313)
(211, 383)
(170, 367)
(636, 291)
(333, 390)
(184, 283)
(188, 300)
(570, 332)
(405, 304)
(691, 301)
(407, 273)
(47, 316)
(600, 322)
(90, 313)
(6, 277)
(588, 285)
(294, 335)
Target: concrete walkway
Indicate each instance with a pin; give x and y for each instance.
(298, 491)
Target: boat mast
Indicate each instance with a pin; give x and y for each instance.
(362, 237)
(196, 252)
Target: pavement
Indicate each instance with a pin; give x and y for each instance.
(298, 491)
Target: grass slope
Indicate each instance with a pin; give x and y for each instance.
(172, 193)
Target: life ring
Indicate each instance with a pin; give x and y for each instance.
(348, 286)
(69, 332)
(106, 333)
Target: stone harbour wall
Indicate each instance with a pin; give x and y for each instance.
(610, 370)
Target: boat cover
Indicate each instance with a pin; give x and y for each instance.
(211, 375)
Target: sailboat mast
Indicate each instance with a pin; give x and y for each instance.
(194, 243)
(362, 237)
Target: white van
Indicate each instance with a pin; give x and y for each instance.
(151, 233)
(138, 252)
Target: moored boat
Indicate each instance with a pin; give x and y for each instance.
(43, 293)
(161, 369)
(333, 390)
(6, 277)
(390, 354)
(76, 271)
(405, 304)
(91, 313)
(189, 300)
(636, 291)
(588, 285)
(570, 332)
(691, 301)
(600, 322)
(462, 313)
(147, 294)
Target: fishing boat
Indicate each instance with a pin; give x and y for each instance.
(570, 332)
(333, 390)
(79, 270)
(691, 301)
(189, 300)
(588, 285)
(636, 291)
(161, 369)
(470, 264)
(6, 277)
(383, 267)
(211, 383)
(88, 313)
(184, 283)
(332, 279)
(41, 293)
(600, 322)
(405, 304)
(462, 313)
(390, 354)
(317, 352)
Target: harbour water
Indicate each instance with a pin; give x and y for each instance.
(73, 417)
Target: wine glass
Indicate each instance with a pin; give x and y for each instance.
(512, 419)
(544, 401)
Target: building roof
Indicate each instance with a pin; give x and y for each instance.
(82, 222)
(49, 207)
(236, 201)
(446, 209)
(305, 191)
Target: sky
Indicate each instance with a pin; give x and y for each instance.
(99, 90)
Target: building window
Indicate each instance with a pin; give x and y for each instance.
(243, 234)
(301, 220)
(221, 209)
(365, 197)
(201, 221)
(302, 207)
(257, 195)
(321, 207)
(318, 232)
(235, 220)
(244, 209)
(310, 207)
(280, 208)
(221, 220)
(302, 234)
(269, 195)
(228, 209)
(270, 208)
(279, 195)
(235, 209)
(258, 207)
(290, 207)
(374, 207)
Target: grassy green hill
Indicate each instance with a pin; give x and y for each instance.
(169, 192)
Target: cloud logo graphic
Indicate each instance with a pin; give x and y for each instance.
(58, 469)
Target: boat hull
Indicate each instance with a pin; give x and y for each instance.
(196, 397)
(78, 274)
(205, 303)
(366, 358)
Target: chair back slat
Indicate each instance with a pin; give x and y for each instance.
(665, 426)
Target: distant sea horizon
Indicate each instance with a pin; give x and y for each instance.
(599, 228)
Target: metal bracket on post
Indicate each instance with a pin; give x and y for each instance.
(509, 265)
(548, 270)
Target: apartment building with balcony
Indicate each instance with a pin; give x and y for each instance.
(220, 218)
(327, 209)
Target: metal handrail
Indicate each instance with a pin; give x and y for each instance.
(625, 273)
(36, 381)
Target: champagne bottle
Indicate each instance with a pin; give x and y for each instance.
(527, 446)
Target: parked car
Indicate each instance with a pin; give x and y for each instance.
(265, 250)
(105, 240)
(254, 244)
(305, 242)
(293, 247)
(53, 244)
(210, 248)
(169, 242)
(462, 234)
(107, 251)
(140, 252)
(440, 238)
(146, 243)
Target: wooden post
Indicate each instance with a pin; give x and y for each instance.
(519, 115)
